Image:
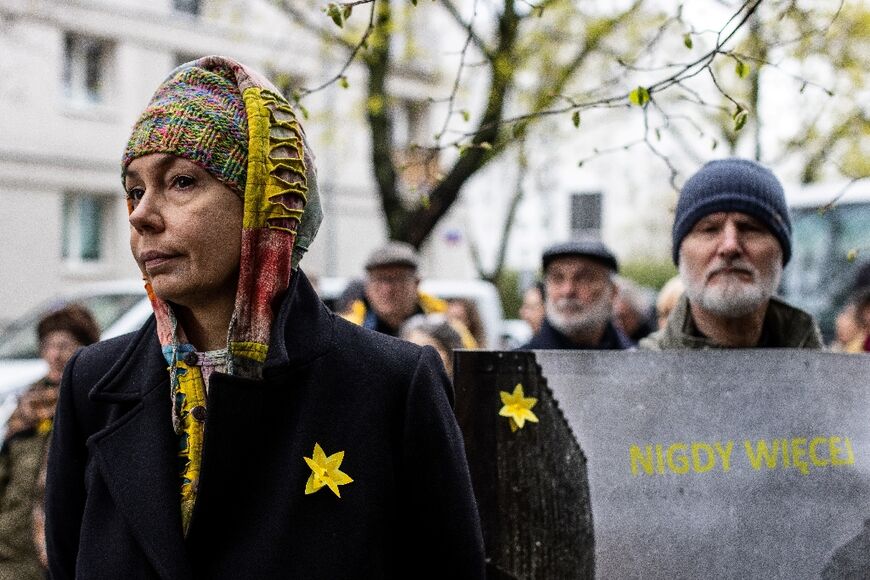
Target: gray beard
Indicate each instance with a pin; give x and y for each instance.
(734, 299)
(583, 323)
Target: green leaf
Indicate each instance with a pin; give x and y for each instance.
(740, 118)
(425, 201)
(304, 111)
(852, 255)
(345, 13)
(742, 69)
(335, 12)
(639, 96)
(575, 118)
(687, 41)
(342, 82)
(517, 130)
(466, 116)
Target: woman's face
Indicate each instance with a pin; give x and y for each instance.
(56, 348)
(186, 230)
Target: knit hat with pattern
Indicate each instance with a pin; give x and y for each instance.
(199, 115)
(738, 185)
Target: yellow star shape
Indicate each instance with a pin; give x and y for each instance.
(517, 407)
(325, 471)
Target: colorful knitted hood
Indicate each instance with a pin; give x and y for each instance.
(281, 204)
(194, 115)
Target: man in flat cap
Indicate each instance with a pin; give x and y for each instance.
(392, 290)
(579, 292)
(731, 240)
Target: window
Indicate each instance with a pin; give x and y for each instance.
(83, 224)
(187, 6)
(85, 72)
(586, 215)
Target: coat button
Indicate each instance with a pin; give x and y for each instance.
(190, 358)
(199, 413)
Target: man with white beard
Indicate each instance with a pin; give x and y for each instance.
(578, 299)
(731, 240)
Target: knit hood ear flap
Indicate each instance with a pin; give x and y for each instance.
(281, 217)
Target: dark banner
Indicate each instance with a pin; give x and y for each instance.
(739, 464)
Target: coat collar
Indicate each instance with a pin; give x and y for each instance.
(303, 329)
(550, 338)
(302, 332)
(136, 452)
(784, 326)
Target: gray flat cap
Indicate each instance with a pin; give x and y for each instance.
(393, 253)
(593, 250)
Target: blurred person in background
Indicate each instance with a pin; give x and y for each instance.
(579, 291)
(351, 297)
(667, 299)
(862, 314)
(434, 330)
(633, 309)
(23, 456)
(731, 241)
(848, 330)
(392, 292)
(532, 308)
(463, 313)
(246, 431)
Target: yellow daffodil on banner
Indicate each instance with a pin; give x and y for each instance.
(325, 471)
(517, 407)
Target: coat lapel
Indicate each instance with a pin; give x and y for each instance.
(136, 453)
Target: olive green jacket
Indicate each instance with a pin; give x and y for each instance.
(20, 463)
(784, 327)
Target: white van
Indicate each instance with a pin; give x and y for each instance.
(830, 238)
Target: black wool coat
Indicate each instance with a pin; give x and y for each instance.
(113, 496)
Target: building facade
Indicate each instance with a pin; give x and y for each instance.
(75, 76)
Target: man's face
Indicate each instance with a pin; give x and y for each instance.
(579, 294)
(392, 292)
(730, 264)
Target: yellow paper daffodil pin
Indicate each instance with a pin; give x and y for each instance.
(325, 471)
(517, 407)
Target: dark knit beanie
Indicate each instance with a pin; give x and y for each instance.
(739, 185)
(199, 115)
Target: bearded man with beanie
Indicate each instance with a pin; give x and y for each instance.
(246, 431)
(731, 241)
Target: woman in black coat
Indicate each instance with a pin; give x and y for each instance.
(245, 431)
